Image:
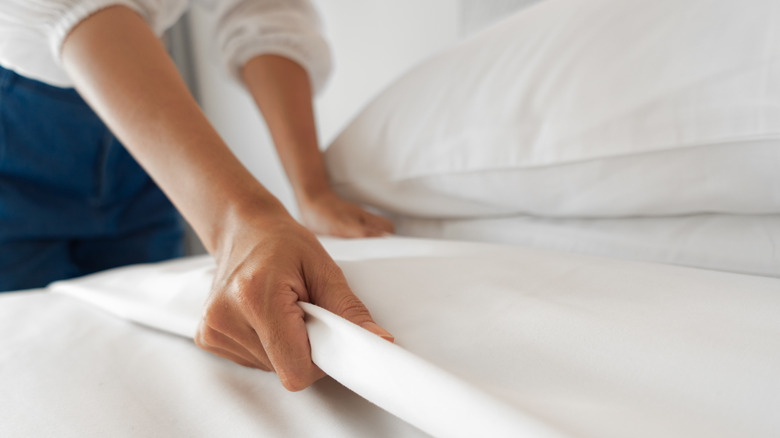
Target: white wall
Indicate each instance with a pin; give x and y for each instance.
(475, 15)
(373, 42)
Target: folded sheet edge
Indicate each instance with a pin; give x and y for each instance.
(409, 387)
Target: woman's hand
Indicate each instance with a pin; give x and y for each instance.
(328, 214)
(252, 315)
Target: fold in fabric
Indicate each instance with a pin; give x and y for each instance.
(409, 387)
(170, 297)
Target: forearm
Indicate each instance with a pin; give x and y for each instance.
(123, 71)
(282, 91)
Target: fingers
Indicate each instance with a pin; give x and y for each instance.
(360, 223)
(365, 224)
(332, 215)
(283, 333)
(335, 295)
(379, 225)
(218, 343)
(233, 357)
(261, 327)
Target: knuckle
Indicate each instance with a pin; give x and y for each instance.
(216, 312)
(258, 292)
(350, 307)
(244, 285)
(212, 320)
(226, 304)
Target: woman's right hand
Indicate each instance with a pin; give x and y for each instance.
(252, 316)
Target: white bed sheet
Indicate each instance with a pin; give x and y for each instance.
(746, 244)
(575, 345)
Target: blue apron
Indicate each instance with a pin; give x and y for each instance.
(72, 199)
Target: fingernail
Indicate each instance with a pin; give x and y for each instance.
(375, 329)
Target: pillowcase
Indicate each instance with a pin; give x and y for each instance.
(604, 108)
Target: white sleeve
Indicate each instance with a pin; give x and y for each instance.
(288, 28)
(32, 31)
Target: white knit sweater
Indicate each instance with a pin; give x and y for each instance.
(32, 32)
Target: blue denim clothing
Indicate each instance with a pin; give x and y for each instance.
(72, 199)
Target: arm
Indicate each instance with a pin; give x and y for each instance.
(282, 91)
(266, 262)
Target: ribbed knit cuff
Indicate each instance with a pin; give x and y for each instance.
(73, 14)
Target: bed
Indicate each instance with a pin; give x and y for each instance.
(491, 339)
(617, 159)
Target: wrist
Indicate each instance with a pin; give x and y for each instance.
(258, 211)
(309, 194)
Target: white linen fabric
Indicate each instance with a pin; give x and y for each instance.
(604, 108)
(744, 244)
(568, 344)
(32, 32)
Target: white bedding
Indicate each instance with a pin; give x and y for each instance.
(746, 244)
(568, 345)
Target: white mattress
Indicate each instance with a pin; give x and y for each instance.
(559, 344)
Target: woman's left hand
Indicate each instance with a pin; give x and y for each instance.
(329, 214)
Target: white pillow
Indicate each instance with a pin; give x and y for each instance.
(570, 108)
